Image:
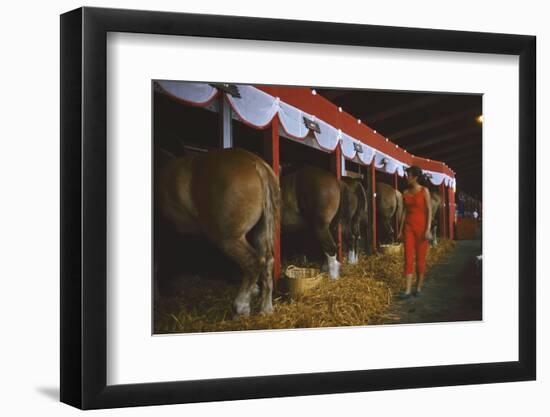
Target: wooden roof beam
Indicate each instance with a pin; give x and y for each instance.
(443, 138)
(404, 108)
(442, 121)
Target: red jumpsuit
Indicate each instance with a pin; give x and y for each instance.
(414, 231)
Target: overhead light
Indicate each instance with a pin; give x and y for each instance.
(479, 118)
(314, 92)
(340, 109)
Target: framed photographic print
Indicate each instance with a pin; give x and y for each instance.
(257, 208)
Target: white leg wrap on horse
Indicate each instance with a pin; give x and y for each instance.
(333, 267)
(352, 257)
(242, 304)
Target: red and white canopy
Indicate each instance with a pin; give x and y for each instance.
(257, 106)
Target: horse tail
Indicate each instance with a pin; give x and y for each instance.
(272, 203)
(399, 205)
(361, 203)
(343, 214)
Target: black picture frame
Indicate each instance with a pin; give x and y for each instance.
(83, 207)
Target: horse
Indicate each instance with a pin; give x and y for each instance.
(389, 203)
(357, 214)
(232, 197)
(311, 198)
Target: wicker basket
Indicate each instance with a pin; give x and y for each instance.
(391, 249)
(299, 281)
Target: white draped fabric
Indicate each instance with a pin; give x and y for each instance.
(196, 93)
(258, 109)
(349, 144)
(328, 137)
(367, 155)
(254, 106)
(436, 178)
(389, 165)
(292, 120)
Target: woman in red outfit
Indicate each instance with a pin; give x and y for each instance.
(414, 228)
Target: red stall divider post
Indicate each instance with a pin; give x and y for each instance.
(395, 186)
(336, 163)
(373, 182)
(271, 152)
(452, 213)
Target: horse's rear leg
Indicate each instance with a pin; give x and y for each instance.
(259, 241)
(247, 258)
(389, 230)
(329, 247)
(434, 236)
(353, 256)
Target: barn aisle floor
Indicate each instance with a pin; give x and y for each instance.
(452, 291)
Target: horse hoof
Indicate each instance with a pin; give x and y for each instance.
(237, 315)
(267, 310)
(242, 310)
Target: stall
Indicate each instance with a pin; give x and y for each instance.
(301, 115)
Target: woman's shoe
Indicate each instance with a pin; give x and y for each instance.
(404, 296)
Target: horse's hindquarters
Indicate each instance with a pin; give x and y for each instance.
(230, 196)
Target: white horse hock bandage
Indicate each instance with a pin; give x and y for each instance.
(352, 257)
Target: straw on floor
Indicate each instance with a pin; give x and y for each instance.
(360, 297)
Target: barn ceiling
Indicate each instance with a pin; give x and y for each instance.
(432, 125)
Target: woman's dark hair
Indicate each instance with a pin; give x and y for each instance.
(416, 171)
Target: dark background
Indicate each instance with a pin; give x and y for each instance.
(439, 126)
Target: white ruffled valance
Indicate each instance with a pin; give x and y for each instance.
(258, 108)
(254, 106)
(356, 150)
(198, 94)
(389, 165)
(292, 120)
(437, 178)
(329, 136)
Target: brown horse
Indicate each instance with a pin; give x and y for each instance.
(232, 197)
(357, 214)
(389, 203)
(311, 199)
